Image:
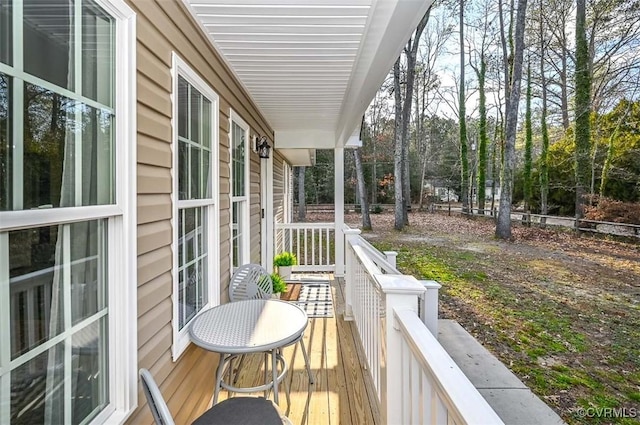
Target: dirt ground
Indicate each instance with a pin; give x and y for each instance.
(561, 311)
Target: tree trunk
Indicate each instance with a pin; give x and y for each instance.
(528, 145)
(362, 190)
(302, 205)
(482, 148)
(397, 155)
(503, 226)
(583, 109)
(411, 52)
(464, 160)
(505, 56)
(544, 153)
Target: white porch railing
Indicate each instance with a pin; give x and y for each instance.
(415, 379)
(312, 243)
(396, 315)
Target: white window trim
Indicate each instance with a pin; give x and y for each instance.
(181, 338)
(245, 219)
(122, 252)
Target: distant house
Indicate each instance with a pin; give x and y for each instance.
(440, 189)
(445, 193)
(492, 192)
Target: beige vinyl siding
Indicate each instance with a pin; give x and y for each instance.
(278, 188)
(278, 198)
(164, 27)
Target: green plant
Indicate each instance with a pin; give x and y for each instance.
(279, 284)
(285, 259)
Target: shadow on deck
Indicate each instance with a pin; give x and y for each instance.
(343, 392)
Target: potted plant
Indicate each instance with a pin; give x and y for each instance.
(283, 262)
(279, 285)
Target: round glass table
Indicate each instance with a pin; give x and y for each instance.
(249, 326)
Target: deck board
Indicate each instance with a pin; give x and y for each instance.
(343, 393)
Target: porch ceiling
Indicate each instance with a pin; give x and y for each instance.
(311, 66)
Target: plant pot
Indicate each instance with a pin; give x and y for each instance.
(284, 271)
(276, 296)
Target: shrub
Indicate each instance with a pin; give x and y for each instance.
(607, 209)
(279, 284)
(285, 259)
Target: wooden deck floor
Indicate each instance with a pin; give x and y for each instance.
(343, 393)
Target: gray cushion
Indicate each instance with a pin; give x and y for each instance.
(241, 411)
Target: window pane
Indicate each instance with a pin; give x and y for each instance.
(196, 190)
(6, 32)
(196, 98)
(88, 269)
(201, 294)
(188, 238)
(6, 177)
(206, 174)
(183, 170)
(238, 233)
(90, 374)
(49, 123)
(206, 123)
(37, 389)
(192, 268)
(98, 179)
(35, 280)
(53, 164)
(183, 108)
(97, 54)
(181, 240)
(238, 149)
(48, 41)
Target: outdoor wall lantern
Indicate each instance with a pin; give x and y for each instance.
(262, 147)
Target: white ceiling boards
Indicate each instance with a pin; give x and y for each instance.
(310, 65)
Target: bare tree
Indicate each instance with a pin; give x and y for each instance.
(583, 110)
(397, 153)
(544, 168)
(362, 190)
(463, 119)
(503, 226)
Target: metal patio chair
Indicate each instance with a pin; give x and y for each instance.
(252, 281)
(233, 411)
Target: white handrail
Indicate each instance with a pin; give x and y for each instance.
(415, 379)
(445, 390)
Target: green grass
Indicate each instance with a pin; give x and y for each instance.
(527, 329)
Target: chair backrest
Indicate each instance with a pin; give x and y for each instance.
(250, 281)
(159, 409)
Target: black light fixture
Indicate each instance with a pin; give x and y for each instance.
(262, 147)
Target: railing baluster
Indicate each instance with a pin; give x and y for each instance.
(313, 246)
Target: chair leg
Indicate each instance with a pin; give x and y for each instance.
(266, 373)
(306, 361)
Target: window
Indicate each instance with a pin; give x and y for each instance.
(195, 253)
(67, 218)
(240, 191)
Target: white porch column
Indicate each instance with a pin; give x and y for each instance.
(351, 237)
(338, 160)
(430, 305)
